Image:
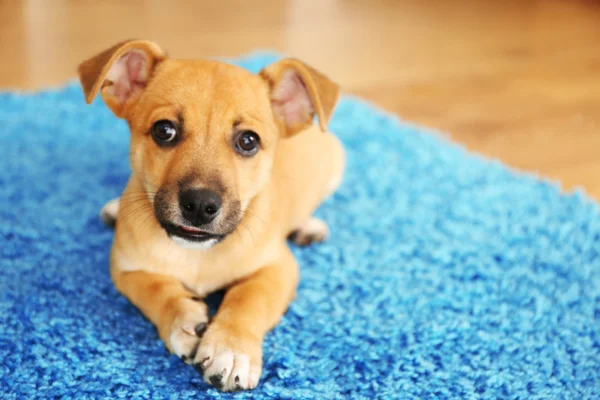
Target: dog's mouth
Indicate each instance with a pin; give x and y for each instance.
(191, 234)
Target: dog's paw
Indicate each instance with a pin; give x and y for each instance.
(312, 231)
(229, 360)
(187, 328)
(109, 212)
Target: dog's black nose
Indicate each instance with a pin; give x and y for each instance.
(199, 206)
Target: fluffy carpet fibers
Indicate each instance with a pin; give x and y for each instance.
(446, 276)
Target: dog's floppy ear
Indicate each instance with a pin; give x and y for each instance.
(298, 92)
(120, 72)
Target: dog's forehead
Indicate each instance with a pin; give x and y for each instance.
(210, 96)
(197, 81)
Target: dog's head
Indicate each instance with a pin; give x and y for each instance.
(203, 133)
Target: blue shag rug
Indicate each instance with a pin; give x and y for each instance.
(446, 276)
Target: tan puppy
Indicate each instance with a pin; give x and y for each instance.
(226, 165)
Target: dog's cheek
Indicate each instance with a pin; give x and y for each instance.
(161, 205)
(232, 217)
(263, 172)
(255, 177)
(138, 151)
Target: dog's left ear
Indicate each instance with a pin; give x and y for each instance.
(298, 92)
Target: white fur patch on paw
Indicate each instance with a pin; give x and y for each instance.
(187, 330)
(312, 231)
(229, 367)
(109, 212)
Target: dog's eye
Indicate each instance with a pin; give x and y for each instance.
(164, 131)
(247, 143)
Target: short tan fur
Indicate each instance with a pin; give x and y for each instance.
(200, 213)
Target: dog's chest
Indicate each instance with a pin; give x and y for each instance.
(222, 268)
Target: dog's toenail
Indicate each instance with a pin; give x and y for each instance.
(184, 358)
(237, 379)
(196, 298)
(201, 328)
(293, 236)
(215, 380)
(199, 368)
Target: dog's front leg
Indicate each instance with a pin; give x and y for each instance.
(230, 353)
(179, 316)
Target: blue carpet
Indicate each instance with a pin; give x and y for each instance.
(447, 275)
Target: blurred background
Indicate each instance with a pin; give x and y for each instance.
(517, 80)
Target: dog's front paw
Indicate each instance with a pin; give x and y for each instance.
(312, 231)
(229, 359)
(186, 328)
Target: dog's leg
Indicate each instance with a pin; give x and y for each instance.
(179, 316)
(109, 212)
(314, 230)
(230, 353)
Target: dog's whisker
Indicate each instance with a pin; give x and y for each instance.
(147, 192)
(139, 210)
(241, 224)
(251, 214)
(241, 215)
(148, 218)
(138, 215)
(235, 228)
(134, 202)
(135, 197)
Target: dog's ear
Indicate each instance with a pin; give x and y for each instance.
(298, 92)
(120, 73)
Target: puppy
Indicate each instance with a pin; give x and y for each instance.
(226, 165)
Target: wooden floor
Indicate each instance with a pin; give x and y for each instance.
(517, 80)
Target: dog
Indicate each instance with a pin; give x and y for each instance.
(226, 166)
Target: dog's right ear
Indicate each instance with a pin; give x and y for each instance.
(120, 73)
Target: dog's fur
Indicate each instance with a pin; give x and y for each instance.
(265, 198)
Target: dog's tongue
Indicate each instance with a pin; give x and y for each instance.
(191, 230)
